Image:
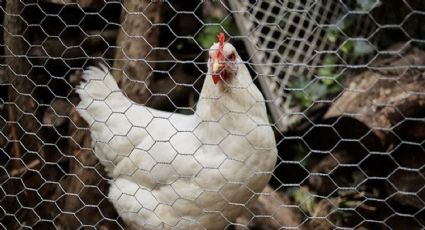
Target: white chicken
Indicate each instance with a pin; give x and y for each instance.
(174, 171)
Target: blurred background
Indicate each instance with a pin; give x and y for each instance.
(344, 82)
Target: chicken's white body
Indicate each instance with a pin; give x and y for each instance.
(174, 171)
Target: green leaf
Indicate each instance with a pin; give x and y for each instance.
(297, 91)
(208, 35)
(347, 47)
(329, 68)
(368, 5)
(333, 35)
(334, 88)
(346, 23)
(362, 47)
(316, 90)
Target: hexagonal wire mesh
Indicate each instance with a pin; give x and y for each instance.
(291, 35)
(343, 83)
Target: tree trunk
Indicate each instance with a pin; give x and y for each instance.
(134, 58)
(135, 40)
(389, 100)
(24, 149)
(382, 97)
(17, 69)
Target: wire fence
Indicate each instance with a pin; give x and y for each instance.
(343, 83)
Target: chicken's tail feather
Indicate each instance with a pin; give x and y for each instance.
(100, 94)
(98, 84)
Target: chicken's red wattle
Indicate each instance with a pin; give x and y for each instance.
(217, 77)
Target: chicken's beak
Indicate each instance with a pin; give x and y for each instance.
(217, 67)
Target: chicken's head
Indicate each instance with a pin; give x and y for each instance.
(222, 62)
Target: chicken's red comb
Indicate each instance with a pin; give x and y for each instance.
(221, 39)
(220, 45)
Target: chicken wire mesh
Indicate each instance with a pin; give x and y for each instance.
(291, 34)
(343, 83)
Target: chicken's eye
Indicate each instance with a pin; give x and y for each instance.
(231, 57)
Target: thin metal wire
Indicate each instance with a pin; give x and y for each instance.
(286, 41)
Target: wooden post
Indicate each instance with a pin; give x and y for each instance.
(136, 39)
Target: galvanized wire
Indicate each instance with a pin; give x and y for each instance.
(338, 167)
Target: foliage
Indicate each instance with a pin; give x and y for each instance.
(303, 90)
(367, 5)
(208, 35)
